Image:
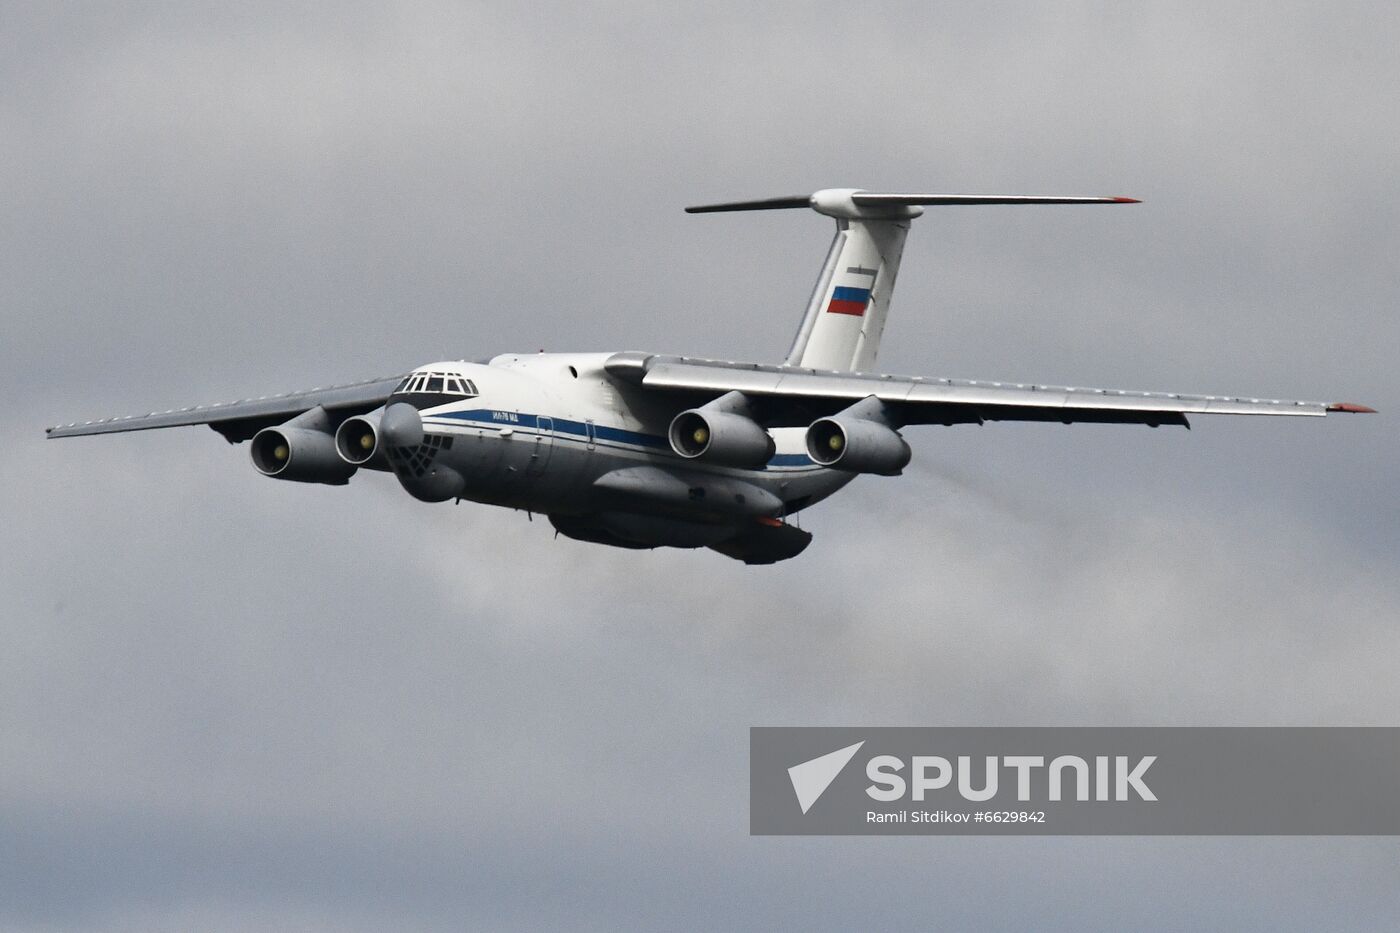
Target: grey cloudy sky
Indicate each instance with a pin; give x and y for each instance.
(228, 703)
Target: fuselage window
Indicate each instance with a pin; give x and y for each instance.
(437, 384)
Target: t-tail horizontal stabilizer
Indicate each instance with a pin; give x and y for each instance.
(872, 201)
(845, 316)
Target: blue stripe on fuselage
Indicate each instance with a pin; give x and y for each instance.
(496, 417)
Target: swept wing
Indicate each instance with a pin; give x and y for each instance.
(239, 421)
(792, 396)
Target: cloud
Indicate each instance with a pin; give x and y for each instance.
(232, 703)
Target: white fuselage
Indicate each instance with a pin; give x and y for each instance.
(548, 432)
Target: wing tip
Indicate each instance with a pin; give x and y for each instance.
(1351, 407)
(1117, 199)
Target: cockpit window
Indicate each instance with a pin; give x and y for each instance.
(431, 383)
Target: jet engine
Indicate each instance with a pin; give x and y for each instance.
(859, 440)
(358, 443)
(302, 450)
(722, 431)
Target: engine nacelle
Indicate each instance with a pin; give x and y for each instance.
(721, 432)
(302, 450)
(357, 441)
(857, 445)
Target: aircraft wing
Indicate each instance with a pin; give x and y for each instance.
(239, 421)
(792, 396)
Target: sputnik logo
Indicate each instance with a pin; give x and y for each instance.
(811, 778)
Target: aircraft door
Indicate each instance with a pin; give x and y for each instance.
(544, 445)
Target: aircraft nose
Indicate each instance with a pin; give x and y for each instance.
(400, 426)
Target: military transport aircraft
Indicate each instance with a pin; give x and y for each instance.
(642, 450)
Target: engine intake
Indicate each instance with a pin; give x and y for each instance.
(303, 450)
(847, 441)
(357, 442)
(721, 432)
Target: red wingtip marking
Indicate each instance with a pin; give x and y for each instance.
(1352, 407)
(1126, 201)
(770, 521)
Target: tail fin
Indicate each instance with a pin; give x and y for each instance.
(845, 317)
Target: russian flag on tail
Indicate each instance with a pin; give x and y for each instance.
(846, 299)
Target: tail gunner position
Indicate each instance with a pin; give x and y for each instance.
(641, 450)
